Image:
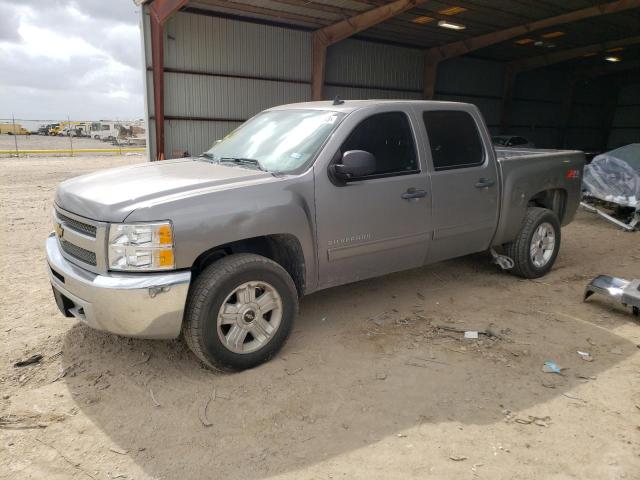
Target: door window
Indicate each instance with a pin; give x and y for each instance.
(454, 139)
(388, 137)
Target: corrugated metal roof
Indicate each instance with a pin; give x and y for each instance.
(479, 17)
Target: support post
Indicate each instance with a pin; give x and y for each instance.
(160, 11)
(319, 62)
(336, 32)
(157, 55)
(431, 63)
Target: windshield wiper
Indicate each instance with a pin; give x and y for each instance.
(207, 155)
(242, 161)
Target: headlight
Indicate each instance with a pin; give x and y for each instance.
(141, 246)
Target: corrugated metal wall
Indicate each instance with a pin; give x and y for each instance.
(358, 69)
(626, 120)
(221, 71)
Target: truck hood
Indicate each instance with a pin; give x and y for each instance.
(111, 195)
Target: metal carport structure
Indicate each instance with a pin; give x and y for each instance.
(536, 68)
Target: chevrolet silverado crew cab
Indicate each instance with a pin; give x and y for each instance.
(219, 248)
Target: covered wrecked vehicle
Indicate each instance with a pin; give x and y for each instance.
(612, 181)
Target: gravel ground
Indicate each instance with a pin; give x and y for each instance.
(367, 387)
(41, 142)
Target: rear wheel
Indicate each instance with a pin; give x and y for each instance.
(240, 312)
(536, 247)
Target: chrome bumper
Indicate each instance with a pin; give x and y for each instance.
(627, 292)
(146, 305)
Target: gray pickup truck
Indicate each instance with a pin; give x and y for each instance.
(219, 248)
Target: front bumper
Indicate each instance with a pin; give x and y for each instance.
(146, 305)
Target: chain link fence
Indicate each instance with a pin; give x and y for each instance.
(69, 137)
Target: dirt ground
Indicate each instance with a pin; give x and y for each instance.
(367, 386)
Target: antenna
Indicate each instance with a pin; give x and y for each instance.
(338, 100)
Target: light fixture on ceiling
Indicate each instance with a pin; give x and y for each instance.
(524, 41)
(616, 49)
(423, 20)
(451, 25)
(552, 35)
(612, 59)
(452, 10)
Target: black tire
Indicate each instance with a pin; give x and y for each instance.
(519, 249)
(209, 291)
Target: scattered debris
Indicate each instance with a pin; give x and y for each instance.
(401, 435)
(203, 411)
(153, 398)
(381, 376)
(552, 367)
(62, 374)
(487, 332)
(16, 422)
(457, 458)
(146, 358)
(75, 465)
(380, 318)
(119, 451)
(616, 351)
(29, 361)
(574, 398)
(586, 356)
(293, 372)
(539, 421)
(415, 362)
(627, 292)
(471, 335)
(29, 420)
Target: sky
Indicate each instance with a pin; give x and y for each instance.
(76, 58)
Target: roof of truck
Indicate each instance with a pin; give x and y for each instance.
(351, 105)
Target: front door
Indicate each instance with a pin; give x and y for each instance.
(379, 223)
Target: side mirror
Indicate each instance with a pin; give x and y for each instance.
(355, 163)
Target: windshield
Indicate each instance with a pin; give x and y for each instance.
(278, 140)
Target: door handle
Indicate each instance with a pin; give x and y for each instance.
(484, 183)
(413, 193)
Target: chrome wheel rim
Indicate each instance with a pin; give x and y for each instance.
(249, 317)
(543, 243)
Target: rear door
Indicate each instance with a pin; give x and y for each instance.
(464, 180)
(380, 223)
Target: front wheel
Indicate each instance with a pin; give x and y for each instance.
(240, 312)
(536, 247)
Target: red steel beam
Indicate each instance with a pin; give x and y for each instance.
(160, 11)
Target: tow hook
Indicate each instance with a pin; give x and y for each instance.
(504, 262)
(153, 291)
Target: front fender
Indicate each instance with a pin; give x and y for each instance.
(281, 205)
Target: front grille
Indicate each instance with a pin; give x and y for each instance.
(78, 252)
(77, 225)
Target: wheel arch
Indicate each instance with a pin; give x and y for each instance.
(283, 248)
(554, 199)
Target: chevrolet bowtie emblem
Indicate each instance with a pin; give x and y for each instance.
(59, 230)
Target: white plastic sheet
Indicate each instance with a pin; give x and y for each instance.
(615, 176)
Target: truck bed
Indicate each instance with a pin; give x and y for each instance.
(525, 173)
(507, 153)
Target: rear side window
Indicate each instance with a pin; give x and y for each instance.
(389, 138)
(518, 141)
(454, 139)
